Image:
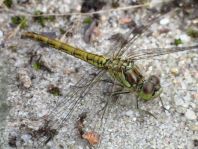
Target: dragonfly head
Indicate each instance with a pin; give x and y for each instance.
(151, 89)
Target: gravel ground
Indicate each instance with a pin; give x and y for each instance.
(25, 87)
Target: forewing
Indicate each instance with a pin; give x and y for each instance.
(154, 52)
(65, 107)
(125, 41)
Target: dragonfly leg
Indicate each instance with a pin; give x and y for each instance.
(143, 111)
(111, 95)
(104, 107)
(137, 104)
(115, 93)
(107, 81)
(163, 107)
(117, 89)
(147, 112)
(111, 81)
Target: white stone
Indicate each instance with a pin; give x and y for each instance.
(1, 34)
(164, 21)
(184, 38)
(129, 113)
(190, 115)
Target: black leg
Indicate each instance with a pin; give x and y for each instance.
(119, 93)
(144, 111)
(164, 109)
(137, 104)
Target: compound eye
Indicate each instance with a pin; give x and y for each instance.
(148, 88)
(154, 79)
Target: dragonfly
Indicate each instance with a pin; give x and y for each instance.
(123, 71)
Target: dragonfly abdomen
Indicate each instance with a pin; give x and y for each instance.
(94, 59)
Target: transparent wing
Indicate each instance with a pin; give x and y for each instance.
(65, 107)
(149, 53)
(124, 42)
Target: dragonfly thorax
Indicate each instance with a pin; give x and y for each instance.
(128, 74)
(125, 72)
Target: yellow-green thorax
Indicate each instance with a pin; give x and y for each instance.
(128, 74)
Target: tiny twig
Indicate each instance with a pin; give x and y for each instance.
(79, 13)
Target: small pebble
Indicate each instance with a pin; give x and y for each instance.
(195, 21)
(164, 21)
(1, 34)
(103, 18)
(195, 96)
(194, 127)
(175, 71)
(129, 113)
(1, 38)
(184, 38)
(24, 78)
(78, 8)
(190, 115)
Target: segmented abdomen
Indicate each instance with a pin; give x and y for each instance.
(94, 59)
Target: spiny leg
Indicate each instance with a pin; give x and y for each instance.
(163, 107)
(115, 93)
(111, 94)
(137, 100)
(143, 111)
